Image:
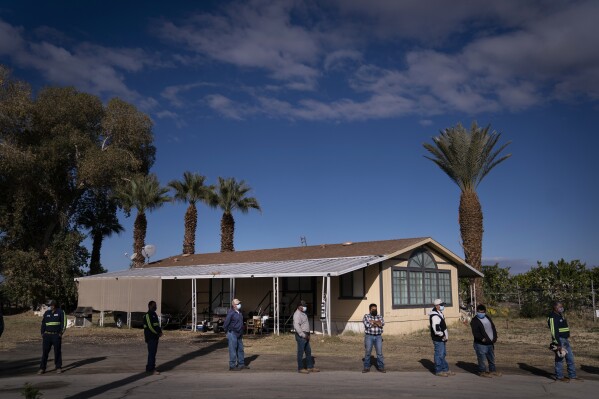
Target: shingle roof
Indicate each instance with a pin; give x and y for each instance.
(369, 248)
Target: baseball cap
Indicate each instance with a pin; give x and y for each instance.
(438, 302)
(236, 301)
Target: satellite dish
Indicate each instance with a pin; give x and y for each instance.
(149, 250)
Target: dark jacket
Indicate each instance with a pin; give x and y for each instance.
(234, 322)
(559, 326)
(479, 333)
(54, 322)
(152, 330)
(437, 325)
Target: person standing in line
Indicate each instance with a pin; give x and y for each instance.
(373, 329)
(301, 325)
(152, 333)
(485, 336)
(439, 335)
(54, 324)
(234, 328)
(560, 334)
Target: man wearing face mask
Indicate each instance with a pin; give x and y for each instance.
(152, 333)
(560, 334)
(54, 324)
(485, 336)
(439, 335)
(234, 327)
(301, 325)
(373, 329)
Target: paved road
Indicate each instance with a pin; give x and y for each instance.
(290, 385)
(199, 370)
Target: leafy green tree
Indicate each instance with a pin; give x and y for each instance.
(497, 284)
(568, 282)
(191, 190)
(467, 156)
(229, 196)
(144, 194)
(57, 148)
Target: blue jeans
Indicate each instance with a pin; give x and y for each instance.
(303, 345)
(440, 363)
(152, 350)
(559, 362)
(485, 352)
(236, 354)
(377, 342)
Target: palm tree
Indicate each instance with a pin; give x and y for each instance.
(230, 196)
(99, 216)
(144, 194)
(191, 190)
(467, 157)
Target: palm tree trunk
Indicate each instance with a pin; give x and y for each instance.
(139, 237)
(94, 264)
(191, 223)
(227, 231)
(471, 229)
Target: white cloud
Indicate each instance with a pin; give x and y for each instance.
(257, 34)
(173, 93)
(86, 66)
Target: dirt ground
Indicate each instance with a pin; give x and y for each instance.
(521, 349)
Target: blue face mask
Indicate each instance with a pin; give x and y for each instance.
(480, 315)
(441, 308)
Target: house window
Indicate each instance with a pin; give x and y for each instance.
(351, 285)
(421, 282)
(299, 284)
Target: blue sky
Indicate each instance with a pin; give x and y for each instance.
(323, 107)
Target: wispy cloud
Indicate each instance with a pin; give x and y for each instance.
(256, 34)
(89, 67)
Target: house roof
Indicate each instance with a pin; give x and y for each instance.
(316, 260)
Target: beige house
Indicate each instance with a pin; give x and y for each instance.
(338, 282)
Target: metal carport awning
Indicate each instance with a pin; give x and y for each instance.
(325, 268)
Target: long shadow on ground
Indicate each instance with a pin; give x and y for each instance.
(467, 366)
(18, 367)
(590, 369)
(168, 366)
(428, 364)
(535, 370)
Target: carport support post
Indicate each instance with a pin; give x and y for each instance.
(329, 304)
(194, 305)
(275, 302)
(101, 318)
(231, 290)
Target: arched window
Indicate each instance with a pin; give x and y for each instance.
(421, 282)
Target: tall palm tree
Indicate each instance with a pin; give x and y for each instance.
(467, 157)
(191, 190)
(99, 216)
(144, 194)
(229, 196)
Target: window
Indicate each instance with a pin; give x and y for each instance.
(351, 285)
(299, 284)
(421, 282)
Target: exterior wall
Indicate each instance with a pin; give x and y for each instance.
(347, 314)
(125, 294)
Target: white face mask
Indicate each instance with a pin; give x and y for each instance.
(238, 306)
(304, 308)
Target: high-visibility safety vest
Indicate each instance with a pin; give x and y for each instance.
(152, 328)
(558, 325)
(54, 321)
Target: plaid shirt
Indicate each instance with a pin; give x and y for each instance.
(370, 328)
